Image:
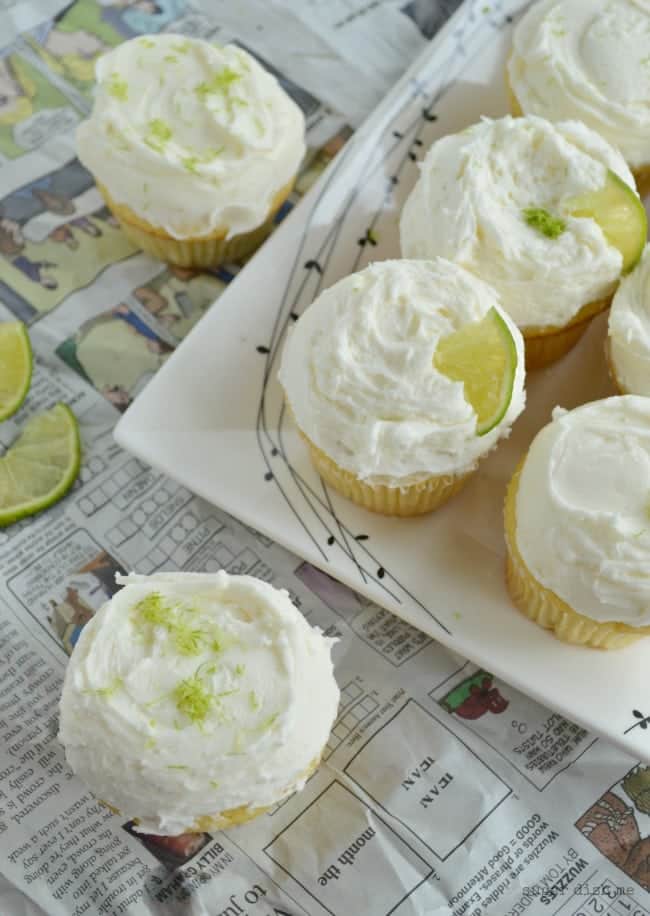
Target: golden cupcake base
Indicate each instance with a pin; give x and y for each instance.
(200, 252)
(545, 345)
(544, 607)
(407, 501)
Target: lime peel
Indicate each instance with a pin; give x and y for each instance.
(483, 356)
(29, 486)
(619, 212)
(15, 366)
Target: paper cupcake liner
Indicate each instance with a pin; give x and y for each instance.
(413, 499)
(198, 252)
(546, 345)
(544, 607)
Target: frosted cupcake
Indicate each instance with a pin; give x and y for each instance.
(588, 60)
(193, 146)
(400, 378)
(577, 524)
(193, 702)
(545, 213)
(629, 331)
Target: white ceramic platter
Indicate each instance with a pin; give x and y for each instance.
(213, 417)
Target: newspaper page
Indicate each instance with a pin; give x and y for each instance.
(442, 789)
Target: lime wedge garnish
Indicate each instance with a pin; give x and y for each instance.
(483, 356)
(15, 366)
(41, 465)
(619, 212)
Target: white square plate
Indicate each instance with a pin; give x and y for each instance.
(213, 417)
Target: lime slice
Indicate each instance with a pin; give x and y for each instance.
(15, 366)
(41, 465)
(483, 356)
(620, 214)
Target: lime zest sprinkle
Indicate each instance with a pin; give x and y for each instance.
(214, 783)
(153, 610)
(182, 47)
(538, 218)
(117, 136)
(177, 766)
(240, 670)
(268, 723)
(118, 87)
(193, 699)
(187, 638)
(159, 133)
(220, 83)
(107, 691)
(190, 163)
(170, 58)
(254, 700)
(146, 42)
(150, 743)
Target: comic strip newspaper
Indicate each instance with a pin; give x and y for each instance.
(442, 790)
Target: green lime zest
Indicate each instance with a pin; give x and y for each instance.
(117, 137)
(240, 670)
(544, 222)
(107, 691)
(219, 84)
(193, 699)
(150, 744)
(153, 610)
(158, 134)
(214, 784)
(254, 700)
(117, 87)
(146, 42)
(190, 163)
(177, 766)
(269, 723)
(182, 47)
(170, 58)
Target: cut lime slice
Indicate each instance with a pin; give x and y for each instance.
(15, 366)
(483, 356)
(620, 214)
(41, 465)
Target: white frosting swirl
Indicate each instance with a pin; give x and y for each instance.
(133, 721)
(191, 136)
(629, 329)
(588, 60)
(359, 376)
(468, 205)
(583, 509)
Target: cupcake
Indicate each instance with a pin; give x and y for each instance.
(194, 147)
(629, 331)
(194, 702)
(400, 378)
(588, 60)
(545, 213)
(577, 524)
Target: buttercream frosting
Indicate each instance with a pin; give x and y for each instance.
(472, 204)
(583, 509)
(358, 372)
(191, 136)
(588, 60)
(629, 329)
(190, 694)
